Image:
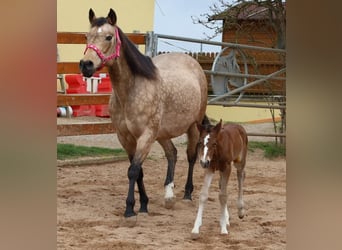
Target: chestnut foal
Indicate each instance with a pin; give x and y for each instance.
(217, 148)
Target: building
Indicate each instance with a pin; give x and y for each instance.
(249, 23)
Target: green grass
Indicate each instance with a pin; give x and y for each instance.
(68, 151)
(271, 149)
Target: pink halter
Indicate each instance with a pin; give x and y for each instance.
(104, 58)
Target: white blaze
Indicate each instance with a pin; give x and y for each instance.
(205, 150)
(99, 30)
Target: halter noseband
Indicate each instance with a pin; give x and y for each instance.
(104, 58)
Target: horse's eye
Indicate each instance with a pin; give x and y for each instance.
(108, 38)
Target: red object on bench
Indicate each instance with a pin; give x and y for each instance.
(76, 85)
(102, 110)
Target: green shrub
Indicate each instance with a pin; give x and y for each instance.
(271, 149)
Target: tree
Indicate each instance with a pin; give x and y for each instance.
(241, 15)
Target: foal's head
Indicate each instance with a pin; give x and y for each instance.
(103, 43)
(207, 142)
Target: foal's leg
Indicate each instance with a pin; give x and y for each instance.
(191, 152)
(240, 170)
(203, 197)
(224, 177)
(171, 155)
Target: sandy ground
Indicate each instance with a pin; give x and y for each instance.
(91, 203)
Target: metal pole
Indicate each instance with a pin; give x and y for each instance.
(266, 135)
(233, 45)
(155, 44)
(240, 75)
(247, 86)
(149, 44)
(247, 105)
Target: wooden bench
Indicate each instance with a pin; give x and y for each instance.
(64, 99)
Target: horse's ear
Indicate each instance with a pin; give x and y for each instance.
(111, 18)
(218, 126)
(91, 16)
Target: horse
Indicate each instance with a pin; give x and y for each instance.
(153, 99)
(219, 146)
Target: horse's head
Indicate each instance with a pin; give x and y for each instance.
(103, 43)
(207, 142)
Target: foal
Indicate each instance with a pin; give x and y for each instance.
(218, 147)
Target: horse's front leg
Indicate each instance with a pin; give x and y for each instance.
(203, 197)
(193, 135)
(135, 174)
(142, 192)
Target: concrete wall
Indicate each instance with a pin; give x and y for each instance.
(72, 15)
(241, 114)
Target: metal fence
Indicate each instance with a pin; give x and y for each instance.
(233, 97)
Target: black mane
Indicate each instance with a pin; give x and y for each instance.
(138, 63)
(98, 22)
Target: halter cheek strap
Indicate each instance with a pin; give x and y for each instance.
(104, 58)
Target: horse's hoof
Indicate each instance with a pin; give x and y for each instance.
(194, 236)
(187, 200)
(143, 214)
(130, 221)
(187, 197)
(170, 202)
(241, 213)
(143, 210)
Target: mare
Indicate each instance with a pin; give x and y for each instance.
(152, 100)
(219, 146)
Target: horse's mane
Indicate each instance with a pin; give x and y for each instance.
(138, 63)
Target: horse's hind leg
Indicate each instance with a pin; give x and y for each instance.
(171, 156)
(191, 152)
(240, 170)
(223, 197)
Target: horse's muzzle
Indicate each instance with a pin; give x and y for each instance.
(205, 164)
(87, 68)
